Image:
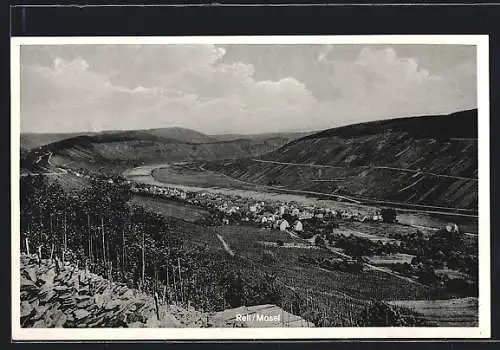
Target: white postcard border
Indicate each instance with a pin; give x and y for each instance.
(482, 331)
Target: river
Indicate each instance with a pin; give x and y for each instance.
(143, 174)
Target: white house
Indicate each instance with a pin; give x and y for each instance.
(281, 210)
(233, 210)
(297, 226)
(305, 215)
(452, 228)
(284, 225)
(346, 215)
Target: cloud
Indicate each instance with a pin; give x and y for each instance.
(70, 96)
(380, 84)
(75, 88)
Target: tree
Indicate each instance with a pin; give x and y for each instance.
(380, 314)
(388, 215)
(319, 241)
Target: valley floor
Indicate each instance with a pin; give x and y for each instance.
(193, 177)
(346, 291)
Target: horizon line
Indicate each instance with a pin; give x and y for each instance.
(249, 134)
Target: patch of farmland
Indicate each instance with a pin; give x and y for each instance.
(379, 228)
(451, 273)
(288, 245)
(194, 175)
(69, 181)
(445, 313)
(365, 285)
(398, 258)
(371, 237)
(171, 208)
(243, 237)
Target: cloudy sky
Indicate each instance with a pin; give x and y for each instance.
(239, 88)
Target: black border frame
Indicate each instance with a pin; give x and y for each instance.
(229, 19)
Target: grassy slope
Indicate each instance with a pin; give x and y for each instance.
(441, 145)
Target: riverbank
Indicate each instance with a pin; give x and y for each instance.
(172, 177)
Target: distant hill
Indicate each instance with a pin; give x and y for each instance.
(455, 125)
(287, 135)
(33, 140)
(123, 149)
(428, 160)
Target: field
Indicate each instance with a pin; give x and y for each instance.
(245, 242)
(171, 208)
(446, 313)
(390, 259)
(192, 174)
(359, 234)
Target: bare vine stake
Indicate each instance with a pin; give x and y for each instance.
(175, 284)
(123, 249)
(143, 257)
(155, 279)
(65, 242)
(58, 268)
(27, 245)
(156, 306)
(90, 237)
(180, 280)
(39, 255)
(167, 286)
(52, 252)
(103, 245)
(51, 239)
(111, 270)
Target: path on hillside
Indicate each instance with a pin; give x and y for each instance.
(350, 199)
(62, 171)
(370, 167)
(226, 246)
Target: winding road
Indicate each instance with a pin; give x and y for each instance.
(415, 171)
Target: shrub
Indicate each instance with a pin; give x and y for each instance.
(388, 215)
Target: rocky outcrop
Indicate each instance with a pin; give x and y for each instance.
(62, 295)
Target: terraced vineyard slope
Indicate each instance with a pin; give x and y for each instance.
(429, 161)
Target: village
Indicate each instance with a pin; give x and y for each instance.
(280, 215)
